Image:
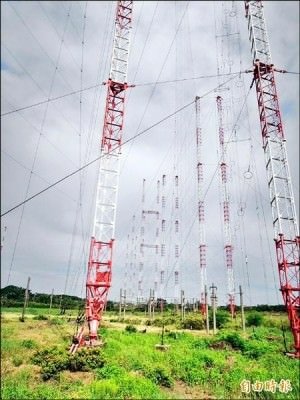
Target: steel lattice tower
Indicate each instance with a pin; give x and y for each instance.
(279, 180)
(163, 239)
(226, 210)
(176, 239)
(201, 211)
(154, 214)
(99, 271)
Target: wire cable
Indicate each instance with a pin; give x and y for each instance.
(38, 143)
(99, 157)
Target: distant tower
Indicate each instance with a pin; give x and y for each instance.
(226, 211)
(149, 240)
(176, 239)
(201, 211)
(285, 223)
(163, 257)
(98, 279)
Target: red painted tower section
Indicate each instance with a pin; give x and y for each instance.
(282, 202)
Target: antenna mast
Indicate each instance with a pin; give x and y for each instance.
(98, 279)
(201, 213)
(284, 217)
(226, 211)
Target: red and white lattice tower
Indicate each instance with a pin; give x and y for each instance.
(201, 211)
(176, 240)
(163, 255)
(226, 210)
(285, 224)
(99, 272)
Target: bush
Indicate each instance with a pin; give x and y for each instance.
(160, 376)
(234, 339)
(86, 359)
(222, 317)
(130, 329)
(254, 319)
(192, 322)
(40, 317)
(132, 321)
(54, 360)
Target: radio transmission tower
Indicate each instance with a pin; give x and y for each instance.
(201, 213)
(163, 257)
(101, 248)
(226, 211)
(284, 217)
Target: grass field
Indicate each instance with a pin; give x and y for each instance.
(196, 365)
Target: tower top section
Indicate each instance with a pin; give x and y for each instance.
(119, 62)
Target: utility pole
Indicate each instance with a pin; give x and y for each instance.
(206, 309)
(122, 303)
(151, 304)
(182, 301)
(51, 299)
(213, 304)
(242, 309)
(284, 216)
(26, 297)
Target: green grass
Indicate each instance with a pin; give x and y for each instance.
(204, 365)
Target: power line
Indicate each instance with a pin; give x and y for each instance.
(134, 85)
(53, 99)
(96, 159)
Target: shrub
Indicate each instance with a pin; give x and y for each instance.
(222, 317)
(40, 317)
(160, 376)
(132, 321)
(254, 319)
(86, 359)
(234, 339)
(193, 322)
(130, 329)
(173, 335)
(54, 360)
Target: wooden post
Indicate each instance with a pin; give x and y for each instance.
(242, 309)
(26, 296)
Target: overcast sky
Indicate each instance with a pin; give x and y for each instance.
(41, 58)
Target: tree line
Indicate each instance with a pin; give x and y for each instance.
(13, 296)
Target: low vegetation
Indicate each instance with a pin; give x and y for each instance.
(36, 363)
